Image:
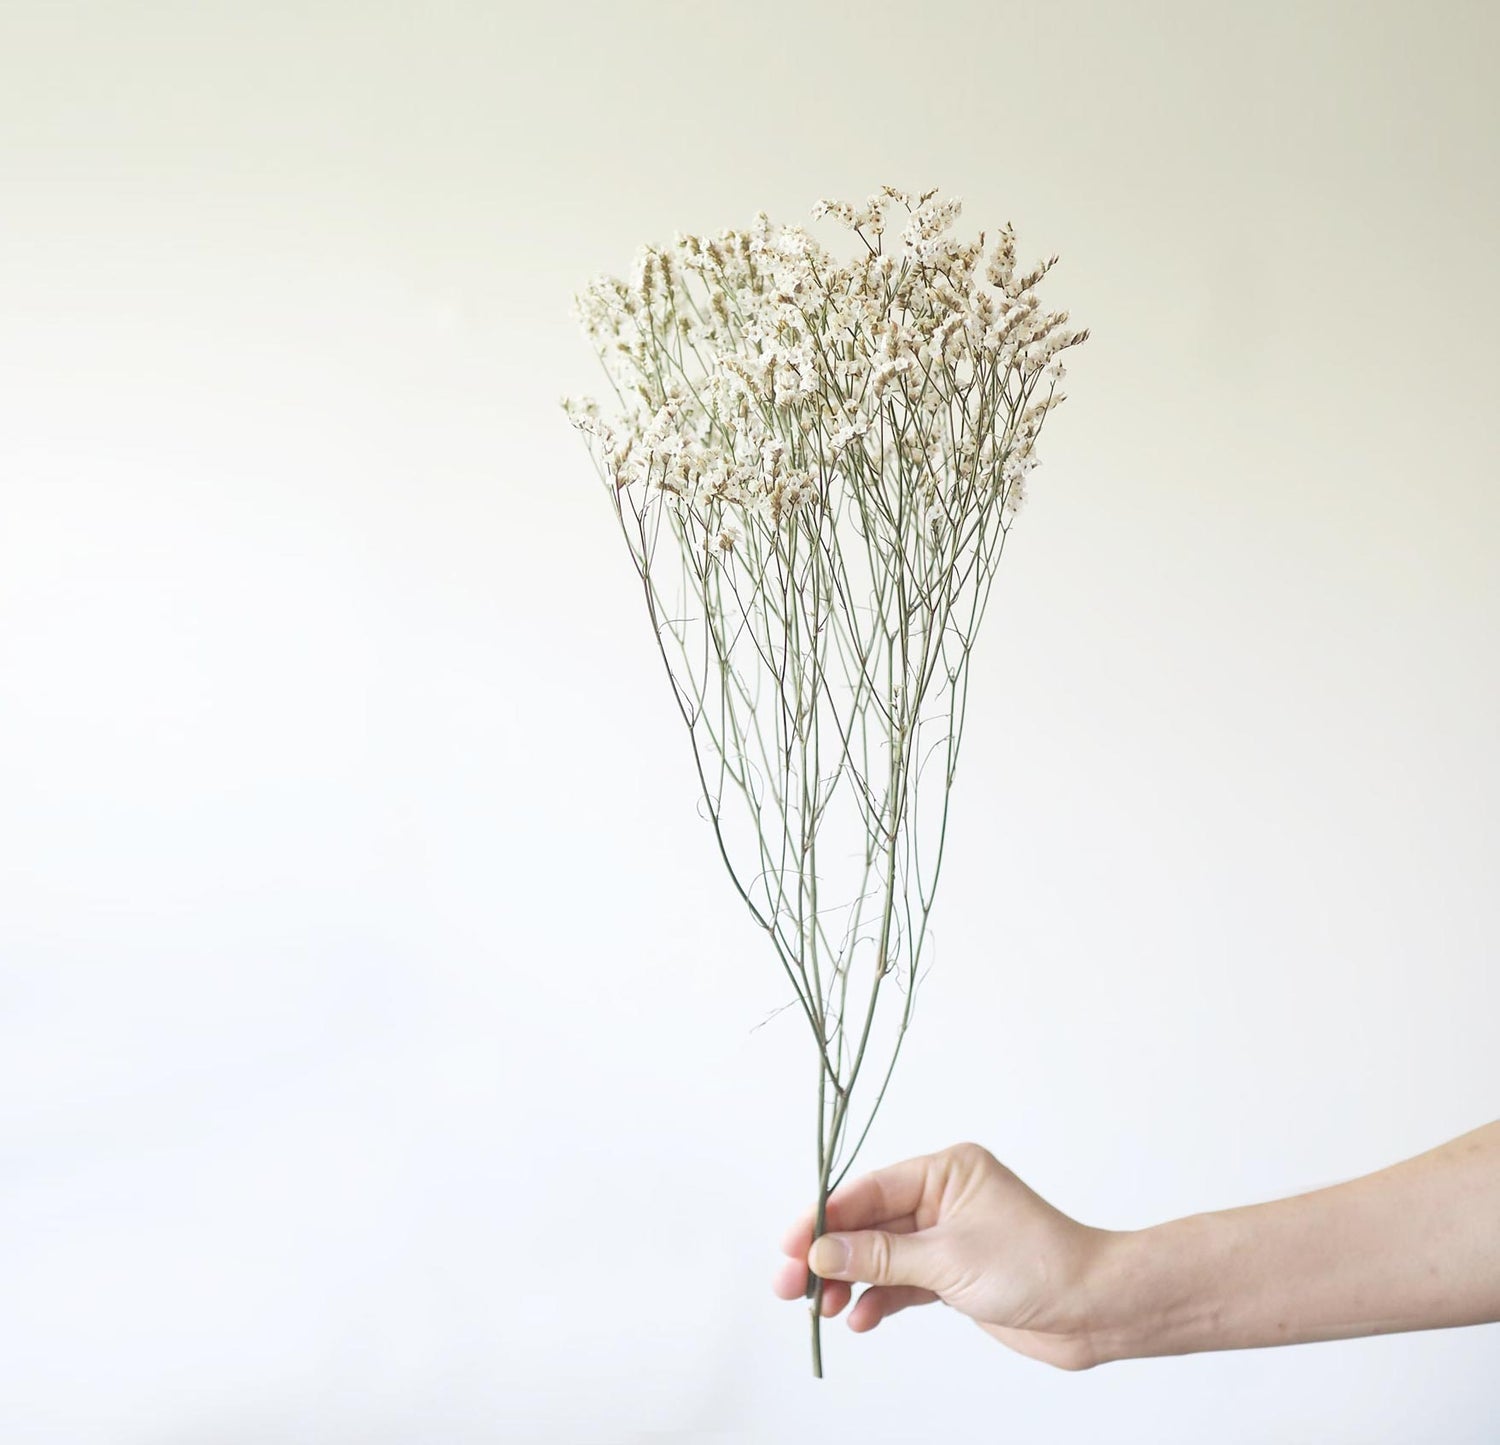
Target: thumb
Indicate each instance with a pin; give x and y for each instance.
(875, 1256)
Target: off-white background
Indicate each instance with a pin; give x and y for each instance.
(376, 1051)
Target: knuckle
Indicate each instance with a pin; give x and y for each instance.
(1074, 1357)
(880, 1257)
(968, 1152)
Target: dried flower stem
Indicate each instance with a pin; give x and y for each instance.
(815, 467)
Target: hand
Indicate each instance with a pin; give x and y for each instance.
(956, 1226)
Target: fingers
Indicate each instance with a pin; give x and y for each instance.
(881, 1301)
(791, 1279)
(874, 1305)
(791, 1282)
(873, 1224)
(880, 1256)
(885, 1198)
(798, 1239)
(882, 1194)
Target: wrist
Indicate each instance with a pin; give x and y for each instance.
(1157, 1291)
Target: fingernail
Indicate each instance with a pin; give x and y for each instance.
(829, 1255)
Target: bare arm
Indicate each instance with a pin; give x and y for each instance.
(1412, 1247)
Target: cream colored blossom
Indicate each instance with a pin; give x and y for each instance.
(747, 357)
(723, 540)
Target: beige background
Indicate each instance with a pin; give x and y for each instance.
(375, 1053)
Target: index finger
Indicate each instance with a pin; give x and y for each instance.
(884, 1198)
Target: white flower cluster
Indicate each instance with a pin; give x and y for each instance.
(758, 375)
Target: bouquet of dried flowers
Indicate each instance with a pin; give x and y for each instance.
(815, 463)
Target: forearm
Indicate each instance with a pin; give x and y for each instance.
(1412, 1247)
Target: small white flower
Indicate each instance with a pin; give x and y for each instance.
(845, 436)
(721, 541)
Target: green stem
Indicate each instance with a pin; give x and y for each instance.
(827, 1143)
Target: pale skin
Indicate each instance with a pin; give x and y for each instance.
(1412, 1247)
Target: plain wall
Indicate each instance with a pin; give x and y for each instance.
(378, 1046)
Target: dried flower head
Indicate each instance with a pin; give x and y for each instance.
(719, 344)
